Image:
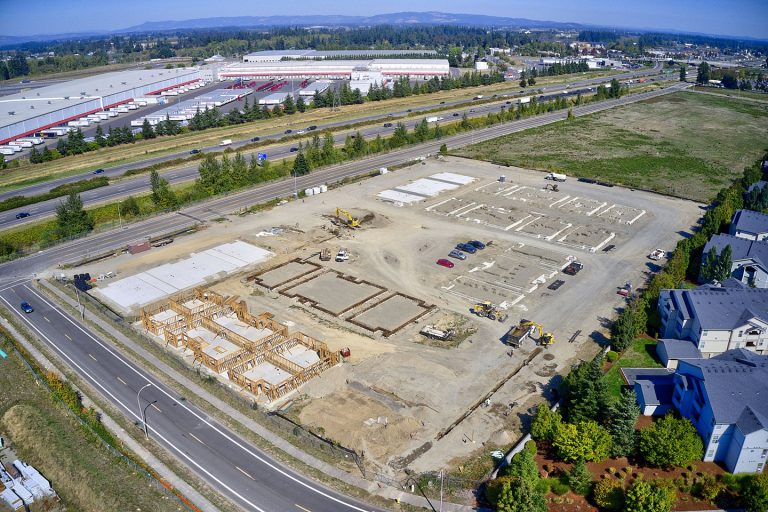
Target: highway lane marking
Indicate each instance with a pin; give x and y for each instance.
(46, 319)
(302, 508)
(67, 336)
(121, 380)
(198, 439)
(131, 412)
(243, 472)
(91, 356)
(156, 408)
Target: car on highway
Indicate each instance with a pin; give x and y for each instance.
(288, 131)
(466, 248)
(477, 244)
(294, 149)
(442, 103)
(98, 171)
(26, 307)
(194, 152)
(455, 114)
(300, 132)
(21, 215)
(445, 263)
(313, 127)
(409, 110)
(255, 139)
(457, 254)
(387, 125)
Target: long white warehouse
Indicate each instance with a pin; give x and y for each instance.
(336, 69)
(32, 111)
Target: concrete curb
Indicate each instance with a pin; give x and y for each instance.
(162, 470)
(275, 440)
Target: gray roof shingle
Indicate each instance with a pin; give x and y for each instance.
(749, 221)
(743, 249)
(720, 308)
(736, 383)
(680, 349)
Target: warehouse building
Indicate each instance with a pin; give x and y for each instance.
(29, 112)
(335, 69)
(280, 55)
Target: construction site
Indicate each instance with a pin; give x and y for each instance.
(345, 312)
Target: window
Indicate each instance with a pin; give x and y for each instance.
(716, 439)
(741, 333)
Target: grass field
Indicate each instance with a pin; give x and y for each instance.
(28, 174)
(83, 472)
(642, 354)
(687, 144)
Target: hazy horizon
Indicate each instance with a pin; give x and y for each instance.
(738, 18)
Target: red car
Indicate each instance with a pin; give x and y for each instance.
(445, 263)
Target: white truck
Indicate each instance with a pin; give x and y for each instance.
(555, 177)
(225, 142)
(523, 100)
(5, 150)
(23, 143)
(434, 119)
(342, 255)
(33, 140)
(657, 254)
(479, 97)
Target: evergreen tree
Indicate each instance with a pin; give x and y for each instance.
(71, 217)
(724, 264)
(545, 424)
(585, 392)
(129, 207)
(644, 496)
(162, 195)
(580, 479)
(703, 74)
(670, 441)
(146, 130)
(522, 496)
(300, 167)
(621, 424)
(683, 74)
(301, 105)
(34, 156)
(289, 106)
(100, 139)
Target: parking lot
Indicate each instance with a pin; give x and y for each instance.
(375, 303)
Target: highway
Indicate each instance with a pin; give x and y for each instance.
(219, 457)
(229, 464)
(140, 184)
(118, 170)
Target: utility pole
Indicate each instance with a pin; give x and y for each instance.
(143, 412)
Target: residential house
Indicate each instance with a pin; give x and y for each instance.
(749, 261)
(750, 225)
(671, 351)
(717, 318)
(725, 399)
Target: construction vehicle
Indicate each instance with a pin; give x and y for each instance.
(657, 254)
(488, 309)
(342, 255)
(325, 255)
(527, 329)
(551, 186)
(352, 222)
(437, 334)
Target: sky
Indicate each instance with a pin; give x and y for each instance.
(744, 18)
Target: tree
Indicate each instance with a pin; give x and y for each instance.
(703, 74)
(683, 74)
(570, 114)
(621, 424)
(146, 130)
(609, 494)
(301, 105)
(289, 106)
(670, 441)
(523, 83)
(162, 195)
(100, 139)
(523, 464)
(754, 494)
(521, 496)
(580, 478)
(34, 156)
(724, 264)
(709, 265)
(130, 207)
(729, 81)
(71, 217)
(300, 166)
(443, 149)
(585, 393)
(545, 424)
(585, 440)
(645, 496)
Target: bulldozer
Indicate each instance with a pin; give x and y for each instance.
(487, 309)
(351, 221)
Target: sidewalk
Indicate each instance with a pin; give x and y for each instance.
(163, 471)
(273, 439)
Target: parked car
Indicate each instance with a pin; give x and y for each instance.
(194, 152)
(457, 254)
(26, 307)
(573, 268)
(609, 248)
(98, 171)
(21, 215)
(477, 244)
(294, 149)
(467, 248)
(255, 139)
(445, 263)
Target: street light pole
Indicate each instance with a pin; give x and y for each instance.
(143, 412)
(144, 415)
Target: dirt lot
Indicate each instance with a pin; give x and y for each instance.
(673, 144)
(394, 395)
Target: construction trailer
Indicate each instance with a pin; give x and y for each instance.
(254, 351)
(437, 334)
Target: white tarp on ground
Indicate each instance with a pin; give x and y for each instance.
(427, 187)
(399, 197)
(149, 286)
(450, 177)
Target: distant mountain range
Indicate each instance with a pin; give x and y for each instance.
(329, 20)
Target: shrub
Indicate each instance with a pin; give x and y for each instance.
(645, 496)
(707, 487)
(545, 424)
(586, 440)
(670, 441)
(494, 487)
(558, 486)
(609, 494)
(612, 356)
(755, 493)
(580, 478)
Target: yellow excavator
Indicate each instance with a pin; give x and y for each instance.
(527, 329)
(352, 222)
(488, 309)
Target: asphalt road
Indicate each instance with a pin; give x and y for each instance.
(124, 119)
(228, 463)
(140, 184)
(232, 466)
